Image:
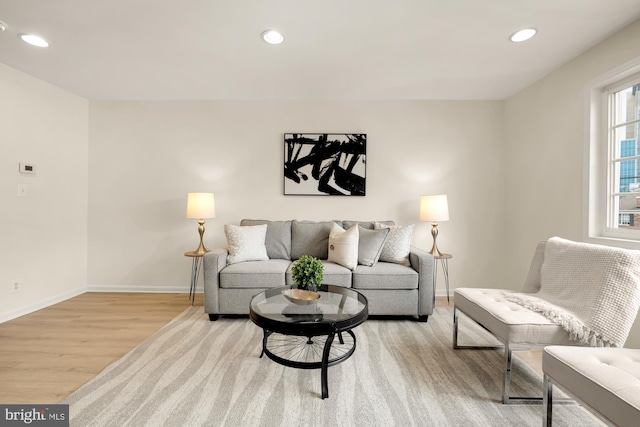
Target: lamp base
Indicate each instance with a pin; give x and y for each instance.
(435, 252)
(434, 249)
(201, 249)
(196, 253)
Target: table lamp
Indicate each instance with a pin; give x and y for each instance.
(434, 209)
(200, 206)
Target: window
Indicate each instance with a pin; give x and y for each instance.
(624, 145)
(613, 156)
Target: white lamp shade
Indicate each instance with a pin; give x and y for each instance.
(201, 205)
(434, 208)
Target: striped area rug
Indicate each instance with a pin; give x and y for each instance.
(194, 372)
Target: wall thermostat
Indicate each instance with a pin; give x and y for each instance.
(27, 168)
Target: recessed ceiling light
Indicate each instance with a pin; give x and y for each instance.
(34, 40)
(3, 26)
(272, 37)
(522, 35)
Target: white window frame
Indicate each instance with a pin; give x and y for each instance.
(598, 180)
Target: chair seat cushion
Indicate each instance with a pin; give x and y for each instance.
(385, 275)
(508, 321)
(606, 379)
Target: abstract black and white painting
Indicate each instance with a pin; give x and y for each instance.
(325, 164)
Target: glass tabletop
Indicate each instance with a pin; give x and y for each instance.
(336, 304)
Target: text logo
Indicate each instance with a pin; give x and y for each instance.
(34, 415)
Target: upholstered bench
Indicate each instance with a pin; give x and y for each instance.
(606, 380)
(576, 294)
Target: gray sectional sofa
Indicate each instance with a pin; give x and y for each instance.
(391, 288)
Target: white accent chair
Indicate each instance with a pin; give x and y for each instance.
(517, 327)
(605, 380)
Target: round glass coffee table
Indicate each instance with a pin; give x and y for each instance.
(300, 334)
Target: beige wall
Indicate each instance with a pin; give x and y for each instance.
(145, 157)
(545, 143)
(43, 236)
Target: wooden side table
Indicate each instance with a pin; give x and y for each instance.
(444, 262)
(195, 272)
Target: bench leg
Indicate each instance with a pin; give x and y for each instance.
(507, 374)
(506, 399)
(547, 402)
(507, 365)
(466, 347)
(455, 328)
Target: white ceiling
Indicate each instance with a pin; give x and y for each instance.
(333, 49)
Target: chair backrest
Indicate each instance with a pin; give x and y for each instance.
(532, 283)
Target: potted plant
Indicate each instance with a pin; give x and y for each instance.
(308, 273)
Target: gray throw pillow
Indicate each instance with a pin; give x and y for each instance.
(278, 241)
(370, 245)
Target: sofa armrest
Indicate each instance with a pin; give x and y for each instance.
(424, 263)
(213, 263)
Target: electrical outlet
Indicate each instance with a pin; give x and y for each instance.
(15, 286)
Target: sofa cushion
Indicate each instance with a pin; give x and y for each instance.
(255, 274)
(311, 238)
(398, 244)
(385, 275)
(246, 243)
(278, 240)
(343, 246)
(334, 274)
(370, 245)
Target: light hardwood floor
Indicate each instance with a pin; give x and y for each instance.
(47, 355)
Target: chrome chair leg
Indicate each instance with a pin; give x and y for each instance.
(506, 399)
(547, 402)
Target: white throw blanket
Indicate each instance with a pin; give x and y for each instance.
(591, 291)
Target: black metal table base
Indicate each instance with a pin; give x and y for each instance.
(309, 352)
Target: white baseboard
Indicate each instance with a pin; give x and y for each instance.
(14, 314)
(5, 317)
(183, 289)
(443, 293)
(143, 289)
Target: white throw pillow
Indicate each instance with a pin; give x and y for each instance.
(343, 246)
(246, 243)
(398, 244)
